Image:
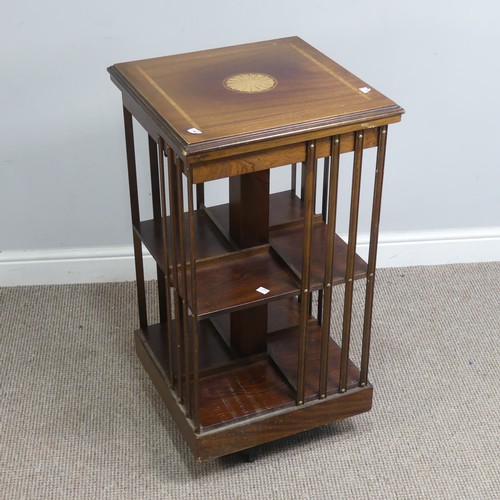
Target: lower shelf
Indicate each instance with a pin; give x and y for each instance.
(283, 349)
(253, 432)
(243, 391)
(213, 351)
(250, 401)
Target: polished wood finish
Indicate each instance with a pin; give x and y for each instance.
(241, 356)
(249, 227)
(242, 159)
(134, 209)
(182, 92)
(249, 222)
(372, 256)
(329, 212)
(274, 423)
(309, 186)
(351, 256)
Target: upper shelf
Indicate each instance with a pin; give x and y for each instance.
(286, 237)
(287, 243)
(226, 280)
(232, 282)
(209, 241)
(212, 227)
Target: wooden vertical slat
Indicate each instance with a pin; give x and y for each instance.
(139, 276)
(134, 208)
(167, 306)
(155, 180)
(324, 209)
(156, 202)
(330, 214)
(302, 180)
(372, 254)
(174, 276)
(182, 262)
(324, 199)
(351, 255)
(293, 186)
(194, 307)
(320, 306)
(309, 185)
(200, 195)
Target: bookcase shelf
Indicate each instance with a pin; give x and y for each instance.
(285, 243)
(244, 391)
(208, 242)
(232, 283)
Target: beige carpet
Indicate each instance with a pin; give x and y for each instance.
(80, 419)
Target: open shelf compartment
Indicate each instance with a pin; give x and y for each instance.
(283, 349)
(245, 391)
(209, 242)
(238, 389)
(284, 207)
(231, 283)
(286, 242)
(214, 352)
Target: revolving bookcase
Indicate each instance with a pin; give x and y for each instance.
(243, 352)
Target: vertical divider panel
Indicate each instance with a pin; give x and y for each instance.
(302, 180)
(134, 207)
(157, 211)
(324, 196)
(324, 209)
(309, 196)
(330, 217)
(351, 255)
(182, 262)
(179, 343)
(372, 253)
(200, 195)
(193, 300)
(167, 305)
(155, 181)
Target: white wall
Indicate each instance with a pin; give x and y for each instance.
(64, 212)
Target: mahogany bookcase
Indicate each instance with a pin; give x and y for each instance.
(240, 355)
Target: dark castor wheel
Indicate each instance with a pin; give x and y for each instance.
(249, 455)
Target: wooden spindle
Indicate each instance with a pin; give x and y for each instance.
(174, 276)
(351, 256)
(134, 207)
(309, 185)
(182, 263)
(331, 217)
(156, 202)
(372, 254)
(167, 307)
(200, 195)
(324, 208)
(324, 198)
(193, 304)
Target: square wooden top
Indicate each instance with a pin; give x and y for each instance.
(235, 95)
